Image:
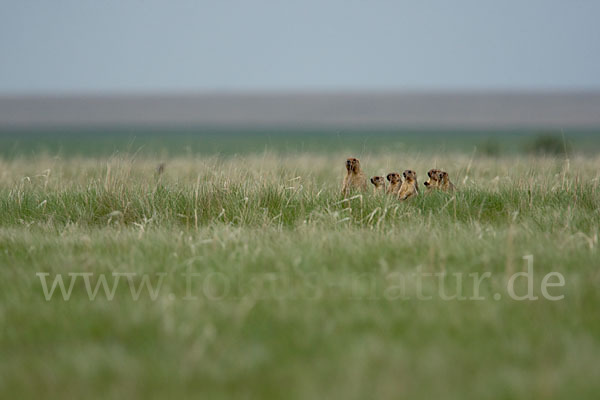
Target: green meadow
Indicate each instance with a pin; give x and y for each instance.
(219, 264)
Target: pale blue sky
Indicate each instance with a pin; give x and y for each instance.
(89, 46)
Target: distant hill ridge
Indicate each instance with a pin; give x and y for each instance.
(344, 110)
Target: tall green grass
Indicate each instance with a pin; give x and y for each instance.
(296, 294)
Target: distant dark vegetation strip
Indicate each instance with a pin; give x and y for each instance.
(165, 142)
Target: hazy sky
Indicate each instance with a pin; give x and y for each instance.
(86, 46)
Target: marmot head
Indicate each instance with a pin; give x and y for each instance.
(394, 177)
(410, 175)
(353, 165)
(378, 181)
(434, 178)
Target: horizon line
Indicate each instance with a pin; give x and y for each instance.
(299, 92)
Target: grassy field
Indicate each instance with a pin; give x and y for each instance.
(245, 274)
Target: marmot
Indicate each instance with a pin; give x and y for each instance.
(409, 186)
(378, 183)
(439, 179)
(395, 183)
(433, 182)
(445, 184)
(354, 179)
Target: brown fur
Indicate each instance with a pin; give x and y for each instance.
(433, 182)
(355, 178)
(378, 184)
(445, 184)
(395, 183)
(410, 186)
(438, 179)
